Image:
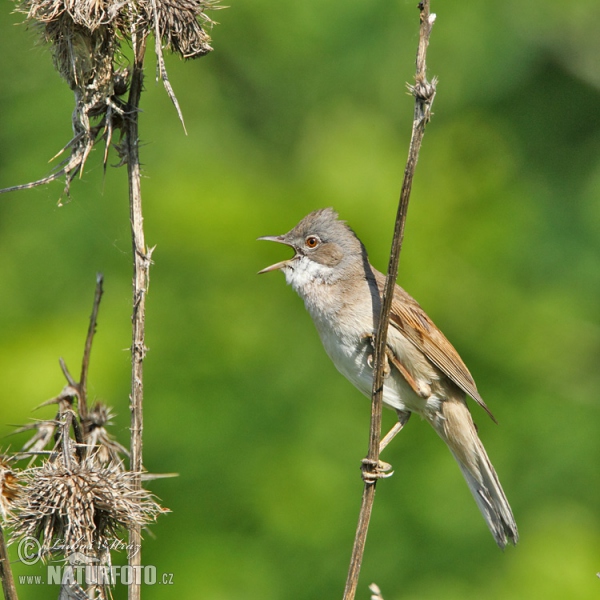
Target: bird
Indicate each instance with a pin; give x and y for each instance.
(424, 374)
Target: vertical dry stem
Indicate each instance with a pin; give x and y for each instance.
(424, 93)
(141, 267)
(8, 583)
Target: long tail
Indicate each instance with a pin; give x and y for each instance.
(455, 426)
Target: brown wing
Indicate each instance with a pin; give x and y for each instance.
(412, 321)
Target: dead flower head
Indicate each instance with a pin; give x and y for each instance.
(105, 448)
(8, 488)
(80, 508)
(181, 24)
(86, 37)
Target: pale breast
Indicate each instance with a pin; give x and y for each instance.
(344, 322)
(351, 354)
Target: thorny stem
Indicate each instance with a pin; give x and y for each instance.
(424, 93)
(141, 267)
(8, 583)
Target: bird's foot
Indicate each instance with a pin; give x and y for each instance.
(372, 470)
(386, 364)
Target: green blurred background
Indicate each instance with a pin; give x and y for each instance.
(302, 106)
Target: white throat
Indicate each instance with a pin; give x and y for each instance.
(312, 281)
(303, 273)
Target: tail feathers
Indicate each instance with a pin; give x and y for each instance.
(490, 499)
(457, 429)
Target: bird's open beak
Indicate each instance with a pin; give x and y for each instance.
(280, 265)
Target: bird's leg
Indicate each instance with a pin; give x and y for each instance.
(403, 417)
(371, 470)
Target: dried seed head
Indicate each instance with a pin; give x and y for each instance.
(100, 416)
(99, 441)
(90, 14)
(179, 24)
(81, 508)
(86, 37)
(9, 488)
(83, 37)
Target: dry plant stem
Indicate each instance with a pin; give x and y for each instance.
(85, 363)
(141, 266)
(66, 440)
(8, 583)
(424, 93)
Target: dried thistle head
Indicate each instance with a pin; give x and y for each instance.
(180, 24)
(90, 14)
(79, 508)
(9, 488)
(98, 440)
(90, 431)
(85, 38)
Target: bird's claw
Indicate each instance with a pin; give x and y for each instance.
(386, 364)
(372, 470)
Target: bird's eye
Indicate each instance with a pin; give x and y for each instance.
(312, 241)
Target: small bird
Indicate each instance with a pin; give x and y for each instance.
(424, 374)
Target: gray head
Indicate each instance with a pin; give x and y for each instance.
(325, 249)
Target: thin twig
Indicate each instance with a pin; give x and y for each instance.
(8, 583)
(424, 93)
(85, 363)
(141, 266)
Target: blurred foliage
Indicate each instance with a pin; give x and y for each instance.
(301, 106)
